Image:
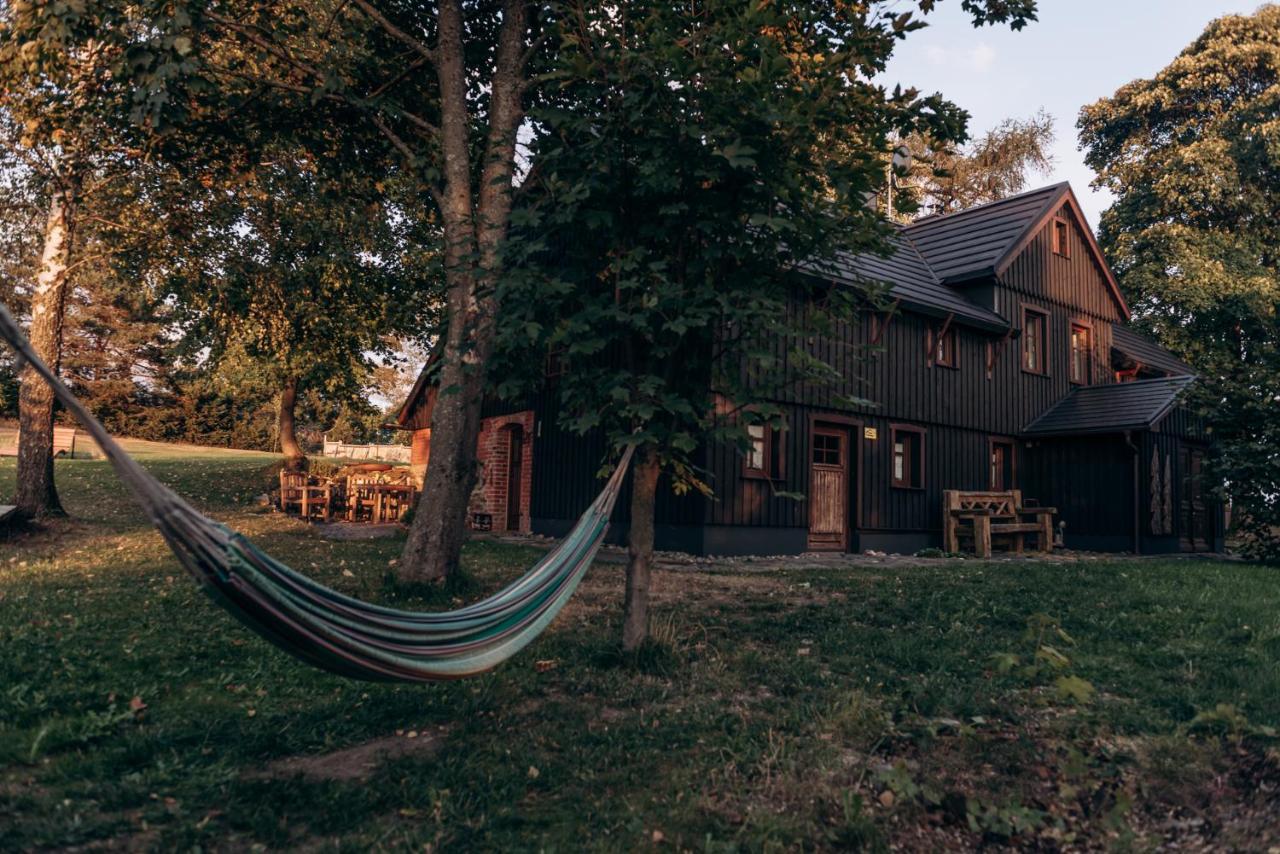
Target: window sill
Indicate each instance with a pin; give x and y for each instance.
(759, 475)
(906, 488)
(1032, 373)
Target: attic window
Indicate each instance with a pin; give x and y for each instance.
(1061, 246)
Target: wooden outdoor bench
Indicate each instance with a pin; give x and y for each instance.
(982, 515)
(64, 442)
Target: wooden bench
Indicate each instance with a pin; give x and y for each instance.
(312, 497)
(983, 515)
(64, 442)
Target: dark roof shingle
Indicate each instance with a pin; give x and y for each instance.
(1110, 408)
(910, 280)
(1142, 349)
(970, 243)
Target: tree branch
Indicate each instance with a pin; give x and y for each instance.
(395, 32)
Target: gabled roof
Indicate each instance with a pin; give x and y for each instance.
(911, 281)
(1110, 408)
(1142, 349)
(970, 243)
(425, 376)
(982, 241)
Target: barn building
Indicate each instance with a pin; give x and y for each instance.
(1004, 361)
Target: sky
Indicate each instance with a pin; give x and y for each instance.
(1077, 52)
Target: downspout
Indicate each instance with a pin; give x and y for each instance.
(1137, 512)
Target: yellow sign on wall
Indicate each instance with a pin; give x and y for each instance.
(870, 433)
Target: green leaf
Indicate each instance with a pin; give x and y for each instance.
(1074, 688)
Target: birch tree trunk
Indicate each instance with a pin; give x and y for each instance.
(644, 491)
(37, 495)
(294, 458)
(475, 220)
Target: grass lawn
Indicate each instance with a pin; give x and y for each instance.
(1081, 705)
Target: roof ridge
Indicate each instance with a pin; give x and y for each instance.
(902, 231)
(932, 218)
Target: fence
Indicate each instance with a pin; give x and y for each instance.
(389, 453)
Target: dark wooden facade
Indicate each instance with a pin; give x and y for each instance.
(1101, 483)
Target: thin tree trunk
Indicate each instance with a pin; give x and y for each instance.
(475, 224)
(294, 458)
(37, 495)
(644, 490)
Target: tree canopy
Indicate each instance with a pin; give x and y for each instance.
(683, 182)
(1192, 157)
(943, 177)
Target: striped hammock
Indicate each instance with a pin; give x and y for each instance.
(324, 627)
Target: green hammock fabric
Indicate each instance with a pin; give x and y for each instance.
(329, 629)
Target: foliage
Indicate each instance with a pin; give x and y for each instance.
(1047, 660)
(943, 178)
(682, 173)
(740, 743)
(1192, 157)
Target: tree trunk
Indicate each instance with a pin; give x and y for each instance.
(294, 458)
(37, 495)
(644, 490)
(475, 224)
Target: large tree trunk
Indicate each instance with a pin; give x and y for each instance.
(475, 224)
(37, 495)
(294, 458)
(644, 490)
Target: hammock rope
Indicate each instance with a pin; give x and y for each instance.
(326, 628)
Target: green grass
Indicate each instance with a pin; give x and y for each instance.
(791, 710)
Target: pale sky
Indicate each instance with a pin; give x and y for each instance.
(1077, 52)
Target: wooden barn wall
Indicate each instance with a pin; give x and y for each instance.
(1089, 480)
(953, 459)
(1179, 428)
(1074, 283)
(565, 469)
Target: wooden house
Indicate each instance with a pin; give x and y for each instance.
(1003, 362)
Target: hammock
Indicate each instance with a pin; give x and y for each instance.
(326, 628)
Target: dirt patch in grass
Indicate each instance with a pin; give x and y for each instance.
(353, 764)
(356, 531)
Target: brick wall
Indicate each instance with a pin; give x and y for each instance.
(419, 453)
(493, 454)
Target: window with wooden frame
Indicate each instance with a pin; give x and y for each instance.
(1061, 241)
(944, 347)
(1035, 339)
(907, 460)
(764, 457)
(1081, 357)
(1002, 466)
(554, 366)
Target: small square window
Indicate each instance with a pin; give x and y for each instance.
(826, 449)
(907, 462)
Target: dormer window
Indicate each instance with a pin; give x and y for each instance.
(1061, 245)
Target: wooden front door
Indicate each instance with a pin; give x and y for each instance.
(1193, 512)
(515, 466)
(829, 490)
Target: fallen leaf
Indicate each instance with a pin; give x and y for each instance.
(658, 836)
(137, 705)
(534, 773)
(886, 798)
(545, 664)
